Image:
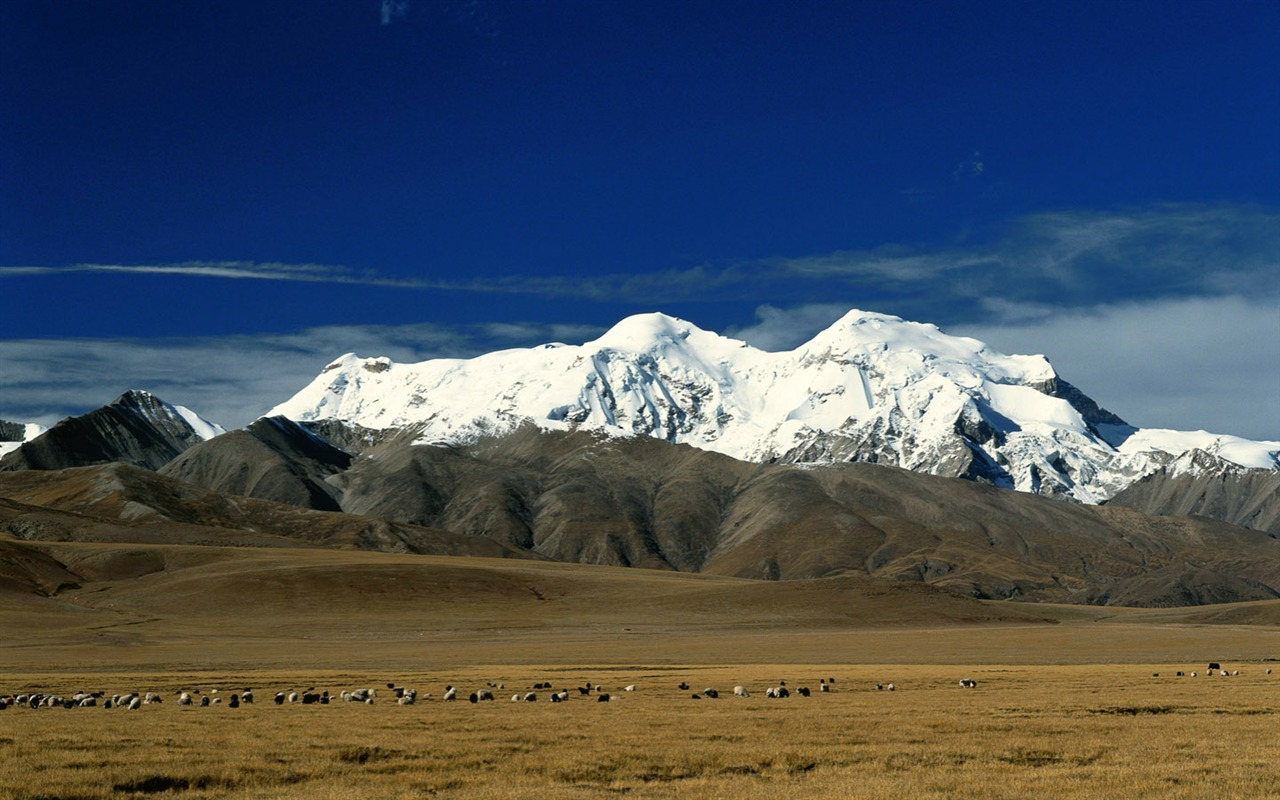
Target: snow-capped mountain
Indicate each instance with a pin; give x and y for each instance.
(14, 434)
(136, 428)
(872, 387)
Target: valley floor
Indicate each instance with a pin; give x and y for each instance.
(1067, 705)
(1062, 731)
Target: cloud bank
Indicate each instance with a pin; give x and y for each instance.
(230, 380)
(1169, 316)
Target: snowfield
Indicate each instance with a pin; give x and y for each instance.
(872, 387)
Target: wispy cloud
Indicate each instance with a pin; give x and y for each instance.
(1069, 258)
(230, 380)
(391, 9)
(1157, 363)
(1183, 363)
(232, 270)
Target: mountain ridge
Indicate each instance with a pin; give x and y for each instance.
(872, 387)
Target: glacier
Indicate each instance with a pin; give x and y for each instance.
(872, 387)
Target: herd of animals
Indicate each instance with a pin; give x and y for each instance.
(406, 696)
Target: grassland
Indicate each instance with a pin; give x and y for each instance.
(1078, 731)
(1067, 705)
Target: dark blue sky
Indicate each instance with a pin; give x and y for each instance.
(245, 171)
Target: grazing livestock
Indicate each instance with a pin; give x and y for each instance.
(450, 694)
(235, 701)
(293, 697)
(280, 698)
(515, 698)
(712, 693)
(824, 686)
(531, 697)
(890, 687)
(204, 701)
(630, 688)
(1181, 674)
(563, 696)
(803, 691)
(135, 704)
(968, 683)
(741, 691)
(246, 696)
(474, 698)
(684, 687)
(584, 690)
(1268, 670)
(184, 699)
(555, 697)
(1214, 665)
(603, 697)
(485, 694)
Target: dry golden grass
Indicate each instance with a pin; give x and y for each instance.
(1066, 706)
(1053, 731)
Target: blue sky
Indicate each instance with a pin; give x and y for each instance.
(212, 200)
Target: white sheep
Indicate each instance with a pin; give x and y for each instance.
(741, 691)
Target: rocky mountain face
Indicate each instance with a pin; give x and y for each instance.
(871, 388)
(136, 428)
(587, 498)
(1198, 484)
(273, 459)
(13, 434)
(127, 504)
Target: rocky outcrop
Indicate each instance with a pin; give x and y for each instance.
(273, 459)
(136, 428)
(1201, 485)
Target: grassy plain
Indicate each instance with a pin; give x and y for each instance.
(1067, 705)
(1080, 731)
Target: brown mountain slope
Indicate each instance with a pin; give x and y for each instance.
(120, 503)
(1249, 498)
(642, 502)
(273, 459)
(646, 503)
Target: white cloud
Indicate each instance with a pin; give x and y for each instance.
(391, 9)
(230, 380)
(778, 329)
(232, 270)
(1208, 363)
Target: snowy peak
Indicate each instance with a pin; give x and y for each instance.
(14, 434)
(136, 428)
(871, 387)
(182, 420)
